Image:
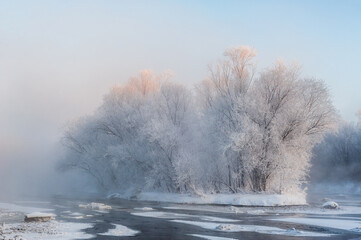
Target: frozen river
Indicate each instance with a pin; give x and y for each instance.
(78, 219)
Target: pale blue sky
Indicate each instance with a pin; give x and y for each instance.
(58, 58)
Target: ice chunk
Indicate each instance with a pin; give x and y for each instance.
(211, 237)
(225, 227)
(330, 205)
(120, 231)
(144, 209)
(38, 217)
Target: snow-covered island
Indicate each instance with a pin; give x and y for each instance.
(238, 139)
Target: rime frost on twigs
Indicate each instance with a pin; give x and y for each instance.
(241, 131)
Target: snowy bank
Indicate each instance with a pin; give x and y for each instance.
(262, 200)
(53, 230)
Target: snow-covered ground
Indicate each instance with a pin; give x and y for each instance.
(50, 230)
(222, 199)
(53, 230)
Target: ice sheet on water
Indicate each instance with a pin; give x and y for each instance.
(120, 231)
(96, 206)
(217, 219)
(144, 209)
(170, 215)
(269, 210)
(210, 237)
(167, 215)
(73, 215)
(251, 228)
(344, 224)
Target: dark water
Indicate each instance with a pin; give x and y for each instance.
(158, 228)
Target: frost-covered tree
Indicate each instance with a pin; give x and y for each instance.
(85, 150)
(240, 131)
(229, 80)
(168, 133)
(263, 127)
(281, 119)
(138, 138)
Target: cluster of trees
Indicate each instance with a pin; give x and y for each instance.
(239, 130)
(339, 154)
